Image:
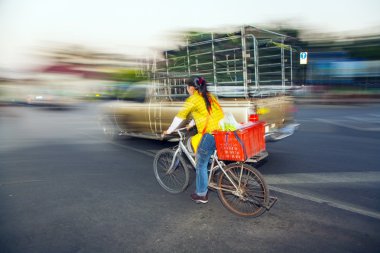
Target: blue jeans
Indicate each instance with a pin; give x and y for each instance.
(205, 149)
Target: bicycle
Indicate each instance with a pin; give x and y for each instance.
(241, 188)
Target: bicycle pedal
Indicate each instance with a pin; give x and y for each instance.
(212, 184)
(272, 201)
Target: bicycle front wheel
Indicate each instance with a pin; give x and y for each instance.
(175, 179)
(242, 190)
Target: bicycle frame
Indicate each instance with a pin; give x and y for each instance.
(182, 148)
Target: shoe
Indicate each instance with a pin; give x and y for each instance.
(199, 199)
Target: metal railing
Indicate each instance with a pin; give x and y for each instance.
(241, 61)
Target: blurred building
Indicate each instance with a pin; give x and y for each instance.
(351, 62)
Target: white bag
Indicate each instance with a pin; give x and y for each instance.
(229, 123)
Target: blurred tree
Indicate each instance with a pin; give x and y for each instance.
(365, 50)
(288, 31)
(130, 75)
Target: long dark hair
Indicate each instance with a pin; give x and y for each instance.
(199, 83)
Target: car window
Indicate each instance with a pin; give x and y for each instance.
(134, 93)
(169, 94)
(175, 91)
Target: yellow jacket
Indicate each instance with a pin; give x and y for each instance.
(196, 105)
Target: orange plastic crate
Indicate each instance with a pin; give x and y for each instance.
(252, 135)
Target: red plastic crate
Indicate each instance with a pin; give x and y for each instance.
(252, 135)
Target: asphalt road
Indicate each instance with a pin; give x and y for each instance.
(64, 188)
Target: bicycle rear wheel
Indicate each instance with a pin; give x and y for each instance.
(173, 180)
(251, 194)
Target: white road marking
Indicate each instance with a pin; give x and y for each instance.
(366, 119)
(306, 178)
(322, 178)
(330, 202)
(314, 178)
(148, 153)
(318, 178)
(374, 115)
(20, 182)
(348, 124)
(366, 122)
(305, 120)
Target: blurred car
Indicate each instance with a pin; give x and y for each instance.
(50, 98)
(146, 110)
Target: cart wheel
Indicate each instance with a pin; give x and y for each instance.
(251, 196)
(173, 180)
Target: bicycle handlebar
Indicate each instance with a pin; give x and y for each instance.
(178, 131)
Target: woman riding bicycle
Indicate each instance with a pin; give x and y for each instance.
(206, 112)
